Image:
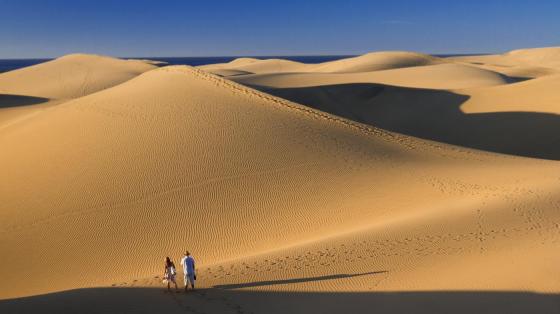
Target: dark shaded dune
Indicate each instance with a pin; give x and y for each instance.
(150, 300)
(7, 100)
(434, 115)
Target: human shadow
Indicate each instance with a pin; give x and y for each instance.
(8, 100)
(154, 300)
(294, 280)
(434, 115)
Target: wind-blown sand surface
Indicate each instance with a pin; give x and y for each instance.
(60, 80)
(406, 189)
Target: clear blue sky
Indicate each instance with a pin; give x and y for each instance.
(289, 27)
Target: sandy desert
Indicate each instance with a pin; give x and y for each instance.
(391, 182)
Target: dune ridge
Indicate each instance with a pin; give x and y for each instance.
(57, 81)
(441, 76)
(456, 102)
(71, 76)
(525, 63)
(376, 61)
(369, 62)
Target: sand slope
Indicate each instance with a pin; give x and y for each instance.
(527, 63)
(374, 61)
(28, 91)
(71, 76)
(456, 102)
(481, 118)
(251, 66)
(536, 95)
(441, 76)
(286, 208)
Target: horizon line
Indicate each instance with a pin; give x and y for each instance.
(252, 56)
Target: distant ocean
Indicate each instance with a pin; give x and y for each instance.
(13, 64)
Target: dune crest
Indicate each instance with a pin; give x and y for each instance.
(459, 101)
(71, 76)
(57, 81)
(524, 63)
(441, 76)
(549, 57)
(375, 61)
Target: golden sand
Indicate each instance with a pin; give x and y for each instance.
(390, 183)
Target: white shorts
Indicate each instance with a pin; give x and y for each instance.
(169, 278)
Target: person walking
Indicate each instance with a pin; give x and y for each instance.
(170, 273)
(189, 269)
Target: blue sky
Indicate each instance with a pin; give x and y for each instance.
(290, 27)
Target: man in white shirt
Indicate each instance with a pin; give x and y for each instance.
(189, 270)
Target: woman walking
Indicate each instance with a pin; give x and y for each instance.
(169, 274)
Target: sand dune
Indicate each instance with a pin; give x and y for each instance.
(233, 63)
(286, 208)
(528, 63)
(483, 118)
(537, 95)
(441, 76)
(546, 57)
(54, 82)
(376, 61)
(253, 66)
(229, 72)
(71, 76)
(452, 102)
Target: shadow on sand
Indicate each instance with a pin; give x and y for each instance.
(7, 100)
(295, 280)
(153, 300)
(434, 115)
